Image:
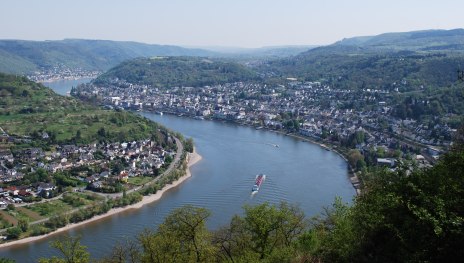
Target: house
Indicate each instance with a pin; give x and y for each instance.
(104, 174)
(91, 179)
(47, 187)
(388, 162)
(12, 190)
(96, 185)
(24, 193)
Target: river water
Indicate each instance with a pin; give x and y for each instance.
(63, 87)
(296, 172)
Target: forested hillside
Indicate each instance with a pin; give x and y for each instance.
(25, 57)
(177, 71)
(403, 61)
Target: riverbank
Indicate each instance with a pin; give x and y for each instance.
(351, 172)
(193, 158)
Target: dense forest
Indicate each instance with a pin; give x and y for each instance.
(411, 215)
(178, 71)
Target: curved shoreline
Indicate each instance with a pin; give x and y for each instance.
(354, 180)
(193, 158)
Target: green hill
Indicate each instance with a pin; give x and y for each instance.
(178, 71)
(358, 69)
(29, 109)
(24, 57)
(403, 61)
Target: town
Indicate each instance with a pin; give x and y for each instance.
(310, 109)
(100, 167)
(61, 72)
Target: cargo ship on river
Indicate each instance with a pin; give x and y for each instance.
(258, 182)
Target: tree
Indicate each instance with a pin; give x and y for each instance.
(6, 260)
(124, 252)
(189, 145)
(23, 224)
(101, 133)
(262, 223)
(354, 156)
(71, 250)
(413, 215)
(78, 136)
(331, 237)
(266, 231)
(156, 171)
(160, 247)
(182, 237)
(13, 232)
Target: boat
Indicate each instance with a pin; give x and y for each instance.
(258, 182)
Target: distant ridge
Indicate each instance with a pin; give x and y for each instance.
(392, 61)
(25, 57)
(414, 40)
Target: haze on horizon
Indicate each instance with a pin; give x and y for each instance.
(238, 23)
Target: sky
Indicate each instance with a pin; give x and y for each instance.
(229, 23)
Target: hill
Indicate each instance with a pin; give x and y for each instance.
(403, 61)
(25, 57)
(177, 71)
(30, 109)
(416, 40)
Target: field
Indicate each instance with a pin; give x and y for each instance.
(139, 180)
(51, 208)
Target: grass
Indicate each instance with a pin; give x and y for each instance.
(31, 214)
(87, 195)
(51, 208)
(80, 199)
(139, 180)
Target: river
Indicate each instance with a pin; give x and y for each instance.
(63, 87)
(297, 172)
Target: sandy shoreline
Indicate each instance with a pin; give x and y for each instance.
(193, 158)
